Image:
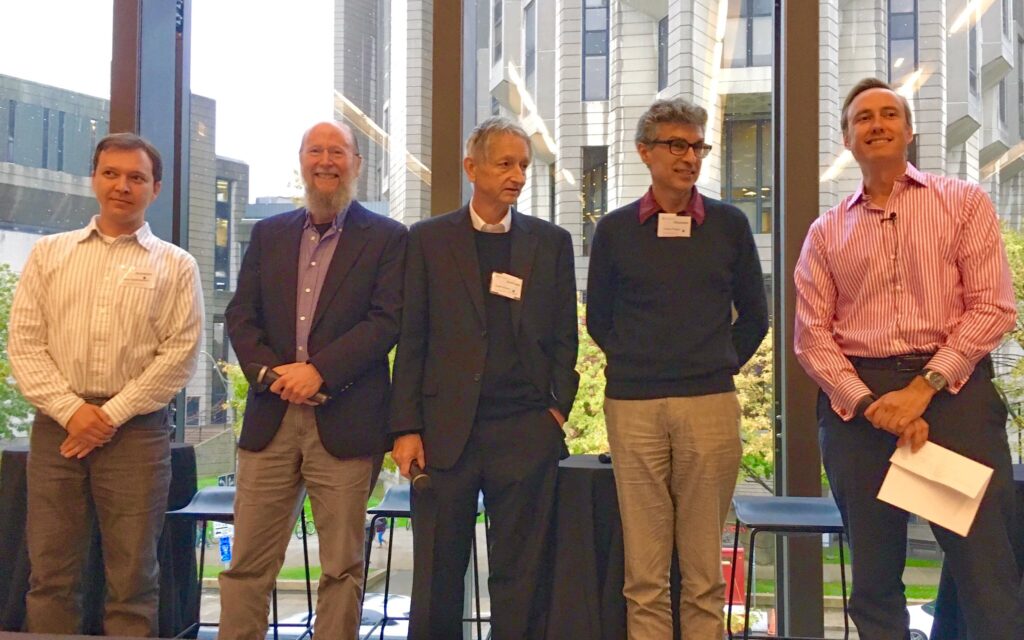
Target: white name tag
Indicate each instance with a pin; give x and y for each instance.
(139, 278)
(506, 285)
(672, 226)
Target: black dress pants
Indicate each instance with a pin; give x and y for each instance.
(982, 564)
(514, 461)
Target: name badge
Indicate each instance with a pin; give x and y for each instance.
(506, 285)
(139, 278)
(672, 226)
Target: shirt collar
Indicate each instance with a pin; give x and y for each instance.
(649, 206)
(478, 222)
(911, 175)
(338, 223)
(143, 235)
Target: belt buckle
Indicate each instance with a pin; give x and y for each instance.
(909, 363)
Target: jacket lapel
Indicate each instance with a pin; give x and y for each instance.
(463, 248)
(354, 236)
(524, 247)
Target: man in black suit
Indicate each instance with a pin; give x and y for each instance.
(318, 302)
(484, 379)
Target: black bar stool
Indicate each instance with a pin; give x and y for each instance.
(217, 504)
(784, 516)
(396, 504)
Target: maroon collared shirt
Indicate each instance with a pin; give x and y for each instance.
(649, 206)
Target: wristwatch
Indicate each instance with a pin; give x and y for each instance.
(934, 379)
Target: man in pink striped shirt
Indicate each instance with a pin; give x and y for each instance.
(903, 289)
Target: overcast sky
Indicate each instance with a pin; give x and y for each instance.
(268, 64)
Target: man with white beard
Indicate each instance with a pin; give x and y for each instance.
(318, 301)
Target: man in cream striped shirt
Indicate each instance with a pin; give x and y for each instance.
(104, 331)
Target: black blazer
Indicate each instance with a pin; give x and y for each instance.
(442, 348)
(355, 325)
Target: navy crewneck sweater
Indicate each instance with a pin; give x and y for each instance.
(662, 308)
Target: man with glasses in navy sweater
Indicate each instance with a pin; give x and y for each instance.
(675, 298)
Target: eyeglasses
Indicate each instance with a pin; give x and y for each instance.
(679, 147)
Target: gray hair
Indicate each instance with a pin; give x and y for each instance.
(476, 146)
(671, 111)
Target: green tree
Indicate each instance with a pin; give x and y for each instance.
(755, 389)
(238, 391)
(585, 430)
(1009, 363)
(14, 409)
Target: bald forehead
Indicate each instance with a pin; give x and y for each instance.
(328, 129)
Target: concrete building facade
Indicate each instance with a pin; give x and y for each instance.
(578, 73)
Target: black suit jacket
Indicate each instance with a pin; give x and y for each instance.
(443, 343)
(355, 325)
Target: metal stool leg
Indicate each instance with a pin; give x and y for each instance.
(750, 585)
(366, 555)
(732, 578)
(476, 588)
(387, 578)
(274, 601)
(842, 575)
(309, 585)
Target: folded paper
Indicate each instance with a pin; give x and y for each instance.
(937, 484)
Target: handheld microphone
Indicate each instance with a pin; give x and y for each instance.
(266, 376)
(420, 480)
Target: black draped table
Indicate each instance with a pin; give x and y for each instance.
(588, 571)
(177, 551)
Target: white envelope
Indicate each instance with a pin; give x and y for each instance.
(937, 484)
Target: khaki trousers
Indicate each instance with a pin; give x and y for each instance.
(122, 486)
(267, 502)
(676, 461)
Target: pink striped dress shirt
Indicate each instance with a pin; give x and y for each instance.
(925, 274)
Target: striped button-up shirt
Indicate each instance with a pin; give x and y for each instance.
(926, 273)
(96, 317)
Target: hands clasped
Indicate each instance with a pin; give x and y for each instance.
(899, 412)
(299, 381)
(87, 429)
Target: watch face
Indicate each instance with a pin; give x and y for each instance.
(935, 380)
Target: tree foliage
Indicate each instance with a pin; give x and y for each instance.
(585, 430)
(14, 409)
(1008, 360)
(755, 388)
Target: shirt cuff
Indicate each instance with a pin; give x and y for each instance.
(117, 411)
(955, 368)
(845, 396)
(63, 410)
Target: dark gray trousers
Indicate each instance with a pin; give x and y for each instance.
(123, 487)
(983, 565)
(514, 461)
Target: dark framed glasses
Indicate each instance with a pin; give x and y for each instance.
(679, 147)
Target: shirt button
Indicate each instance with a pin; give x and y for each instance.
(892, 257)
(302, 348)
(899, 287)
(307, 289)
(476, 377)
(302, 317)
(312, 264)
(313, 238)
